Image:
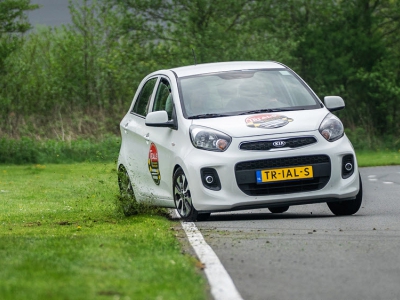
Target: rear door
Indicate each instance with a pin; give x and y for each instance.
(135, 141)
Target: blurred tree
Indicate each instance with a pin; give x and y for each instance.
(349, 48)
(13, 23)
(93, 66)
(215, 30)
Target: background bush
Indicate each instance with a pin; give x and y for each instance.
(27, 150)
(74, 83)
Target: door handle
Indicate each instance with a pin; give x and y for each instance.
(126, 127)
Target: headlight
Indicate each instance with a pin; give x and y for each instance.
(331, 128)
(209, 139)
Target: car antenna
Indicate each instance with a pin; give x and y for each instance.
(194, 56)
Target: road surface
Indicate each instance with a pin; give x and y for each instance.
(308, 253)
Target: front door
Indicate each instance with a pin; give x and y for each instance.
(161, 144)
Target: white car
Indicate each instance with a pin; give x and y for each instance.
(233, 136)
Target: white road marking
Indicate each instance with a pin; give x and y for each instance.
(372, 179)
(222, 286)
(369, 176)
(387, 182)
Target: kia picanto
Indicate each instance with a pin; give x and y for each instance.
(233, 136)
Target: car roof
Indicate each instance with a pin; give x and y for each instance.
(225, 66)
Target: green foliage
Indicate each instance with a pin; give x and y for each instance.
(362, 140)
(215, 30)
(27, 150)
(13, 22)
(347, 49)
(77, 81)
(76, 73)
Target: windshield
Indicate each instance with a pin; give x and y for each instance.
(243, 92)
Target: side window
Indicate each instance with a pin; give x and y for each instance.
(163, 100)
(141, 106)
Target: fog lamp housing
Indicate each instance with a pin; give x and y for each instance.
(210, 179)
(347, 166)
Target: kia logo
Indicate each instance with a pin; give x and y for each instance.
(279, 143)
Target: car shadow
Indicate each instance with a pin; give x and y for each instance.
(250, 216)
(264, 216)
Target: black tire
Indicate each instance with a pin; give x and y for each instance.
(203, 216)
(127, 200)
(183, 197)
(279, 209)
(347, 208)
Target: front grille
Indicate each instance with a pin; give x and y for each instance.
(268, 145)
(246, 175)
(282, 162)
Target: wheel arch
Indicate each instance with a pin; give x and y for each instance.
(176, 167)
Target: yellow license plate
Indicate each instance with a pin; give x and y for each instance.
(272, 175)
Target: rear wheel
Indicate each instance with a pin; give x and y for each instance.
(183, 198)
(349, 207)
(127, 199)
(278, 210)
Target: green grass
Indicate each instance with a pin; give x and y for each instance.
(62, 237)
(378, 158)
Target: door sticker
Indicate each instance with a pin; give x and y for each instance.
(267, 121)
(153, 164)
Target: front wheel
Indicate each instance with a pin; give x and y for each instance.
(182, 197)
(349, 207)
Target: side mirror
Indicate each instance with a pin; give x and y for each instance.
(159, 119)
(334, 103)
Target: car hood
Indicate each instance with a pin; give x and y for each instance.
(266, 123)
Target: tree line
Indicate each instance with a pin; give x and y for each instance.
(79, 79)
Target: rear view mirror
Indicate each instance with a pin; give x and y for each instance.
(159, 119)
(334, 103)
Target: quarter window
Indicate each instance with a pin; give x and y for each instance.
(141, 106)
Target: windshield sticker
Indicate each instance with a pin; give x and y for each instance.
(268, 121)
(153, 164)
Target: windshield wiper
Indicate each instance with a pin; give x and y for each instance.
(257, 111)
(290, 109)
(205, 116)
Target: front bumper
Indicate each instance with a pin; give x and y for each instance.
(236, 194)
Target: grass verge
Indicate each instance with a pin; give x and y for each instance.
(61, 237)
(378, 158)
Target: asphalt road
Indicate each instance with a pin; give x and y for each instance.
(308, 253)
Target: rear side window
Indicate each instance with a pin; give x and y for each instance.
(141, 106)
